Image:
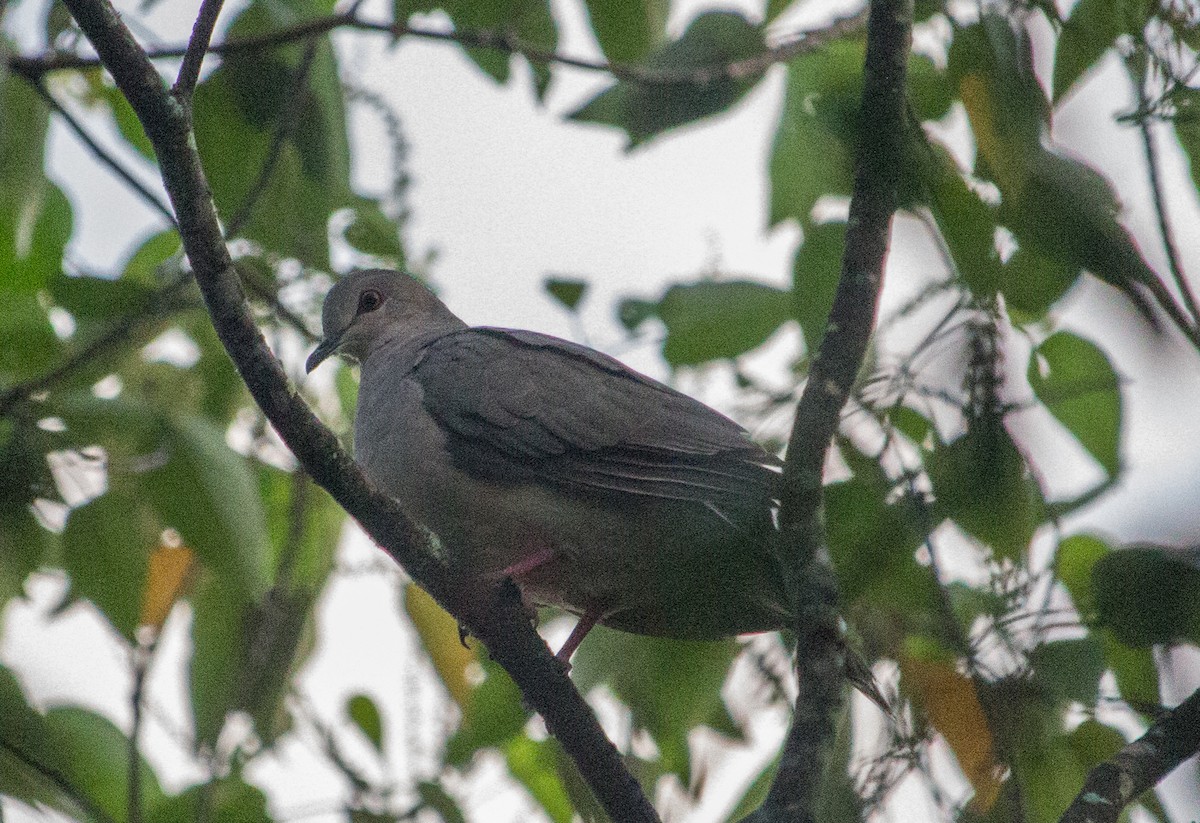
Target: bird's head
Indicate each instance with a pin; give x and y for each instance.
(367, 309)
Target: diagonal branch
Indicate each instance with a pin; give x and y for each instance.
(820, 661)
(492, 613)
(1117, 782)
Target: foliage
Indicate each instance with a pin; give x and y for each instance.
(173, 489)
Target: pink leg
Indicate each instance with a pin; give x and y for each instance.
(585, 624)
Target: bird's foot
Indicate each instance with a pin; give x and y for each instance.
(585, 624)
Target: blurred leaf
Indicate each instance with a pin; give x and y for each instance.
(170, 575)
(365, 714)
(206, 491)
(1147, 597)
(982, 483)
(106, 551)
(628, 30)
(98, 298)
(217, 625)
(911, 423)
(815, 274)
(146, 261)
(1136, 672)
(227, 798)
(125, 118)
(712, 320)
(238, 111)
(1074, 561)
(435, 798)
(566, 290)
(872, 542)
(30, 345)
(373, 232)
(493, 714)
(1034, 282)
(439, 636)
(670, 686)
(528, 21)
(952, 705)
(1081, 389)
(633, 313)
(1070, 668)
(1095, 743)
(35, 217)
(1087, 34)
(94, 757)
(305, 526)
(646, 109)
(817, 136)
(535, 765)
(30, 761)
(1046, 765)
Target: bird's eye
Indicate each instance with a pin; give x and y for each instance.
(369, 300)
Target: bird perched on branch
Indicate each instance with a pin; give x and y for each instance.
(594, 488)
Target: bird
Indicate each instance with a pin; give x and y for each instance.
(596, 489)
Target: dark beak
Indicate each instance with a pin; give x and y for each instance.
(322, 352)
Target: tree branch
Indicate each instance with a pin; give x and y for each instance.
(491, 613)
(1117, 782)
(197, 47)
(782, 52)
(819, 656)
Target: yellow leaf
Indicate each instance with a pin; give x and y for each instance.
(172, 571)
(951, 703)
(439, 634)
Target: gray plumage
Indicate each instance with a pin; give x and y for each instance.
(603, 491)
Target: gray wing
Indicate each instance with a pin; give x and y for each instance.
(519, 406)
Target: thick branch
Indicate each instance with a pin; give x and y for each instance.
(490, 613)
(1117, 782)
(820, 663)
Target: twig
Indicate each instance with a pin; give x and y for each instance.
(820, 661)
(142, 655)
(492, 613)
(1156, 191)
(116, 334)
(782, 52)
(99, 152)
(1116, 782)
(197, 47)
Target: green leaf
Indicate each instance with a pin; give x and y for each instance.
(365, 714)
(535, 764)
(566, 290)
(670, 686)
(30, 762)
(125, 118)
(815, 274)
(435, 798)
(1147, 596)
(373, 232)
(1076, 382)
(98, 298)
(529, 21)
(813, 151)
(94, 757)
(106, 551)
(1087, 34)
(1136, 672)
(1073, 564)
(215, 675)
(983, 484)
(1034, 282)
(493, 715)
(227, 798)
(628, 30)
(1070, 668)
(35, 217)
(646, 109)
(30, 345)
(238, 111)
(206, 491)
(713, 320)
